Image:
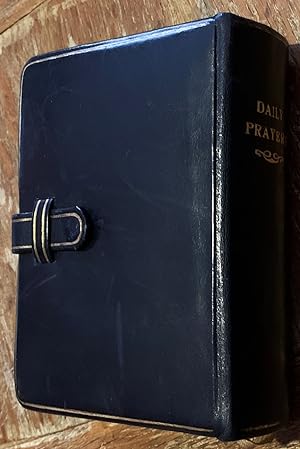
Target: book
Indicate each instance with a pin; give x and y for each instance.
(150, 232)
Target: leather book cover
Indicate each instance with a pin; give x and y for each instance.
(150, 230)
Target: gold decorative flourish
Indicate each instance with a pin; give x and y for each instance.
(272, 158)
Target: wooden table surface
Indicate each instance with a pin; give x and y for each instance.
(29, 27)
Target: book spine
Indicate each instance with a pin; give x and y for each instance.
(251, 391)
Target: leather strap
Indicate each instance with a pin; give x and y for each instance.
(46, 230)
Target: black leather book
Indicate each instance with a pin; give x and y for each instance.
(151, 230)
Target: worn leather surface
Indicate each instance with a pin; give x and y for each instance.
(250, 292)
(149, 320)
(257, 230)
(293, 227)
(122, 327)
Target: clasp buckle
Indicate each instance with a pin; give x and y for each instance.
(46, 230)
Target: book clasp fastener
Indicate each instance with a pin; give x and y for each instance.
(46, 230)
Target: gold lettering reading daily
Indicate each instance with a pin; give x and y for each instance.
(271, 133)
(269, 110)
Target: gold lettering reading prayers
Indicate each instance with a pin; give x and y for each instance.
(265, 132)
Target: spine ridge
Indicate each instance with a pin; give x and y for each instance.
(222, 319)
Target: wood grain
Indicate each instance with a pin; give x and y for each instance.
(29, 27)
(13, 10)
